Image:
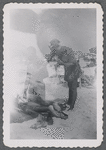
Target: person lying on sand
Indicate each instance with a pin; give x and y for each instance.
(40, 106)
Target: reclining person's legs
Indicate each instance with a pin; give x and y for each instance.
(57, 114)
(36, 107)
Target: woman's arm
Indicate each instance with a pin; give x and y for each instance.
(66, 64)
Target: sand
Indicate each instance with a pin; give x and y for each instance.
(81, 123)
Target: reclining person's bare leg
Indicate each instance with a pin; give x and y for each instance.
(37, 107)
(56, 113)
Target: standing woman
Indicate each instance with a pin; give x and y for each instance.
(72, 68)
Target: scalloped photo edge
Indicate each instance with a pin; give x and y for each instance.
(7, 87)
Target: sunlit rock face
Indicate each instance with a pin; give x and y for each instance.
(54, 70)
(24, 54)
(35, 90)
(51, 69)
(55, 91)
(55, 88)
(24, 59)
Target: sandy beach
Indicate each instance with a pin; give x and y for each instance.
(81, 122)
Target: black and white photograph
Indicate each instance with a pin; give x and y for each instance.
(53, 75)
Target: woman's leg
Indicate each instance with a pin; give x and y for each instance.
(72, 93)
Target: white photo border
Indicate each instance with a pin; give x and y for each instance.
(54, 143)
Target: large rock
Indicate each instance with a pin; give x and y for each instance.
(53, 69)
(35, 90)
(55, 90)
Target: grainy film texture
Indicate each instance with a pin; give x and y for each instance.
(51, 56)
